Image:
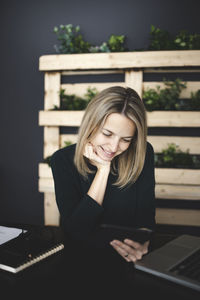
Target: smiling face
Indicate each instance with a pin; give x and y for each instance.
(114, 137)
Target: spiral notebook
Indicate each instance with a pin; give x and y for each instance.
(29, 248)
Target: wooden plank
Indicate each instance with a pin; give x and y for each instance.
(162, 191)
(44, 171)
(191, 86)
(155, 118)
(182, 192)
(173, 119)
(51, 90)
(134, 79)
(175, 216)
(92, 72)
(183, 142)
(172, 70)
(60, 118)
(51, 140)
(162, 175)
(46, 185)
(51, 213)
(177, 176)
(80, 89)
(141, 59)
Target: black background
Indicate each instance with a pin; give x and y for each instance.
(26, 33)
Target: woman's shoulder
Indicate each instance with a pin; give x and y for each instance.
(149, 154)
(66, 153)
(150, 149)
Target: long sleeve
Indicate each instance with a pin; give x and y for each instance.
(80, 214)
(146, 192)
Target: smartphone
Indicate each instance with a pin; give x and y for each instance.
(114, 232)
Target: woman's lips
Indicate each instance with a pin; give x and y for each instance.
(107, 154)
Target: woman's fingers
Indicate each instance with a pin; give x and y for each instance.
(122, 251)
(142, 247)
(130, 250)
(88, 151)
(91, 154)
(132, 243)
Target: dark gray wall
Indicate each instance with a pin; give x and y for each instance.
(27, 33)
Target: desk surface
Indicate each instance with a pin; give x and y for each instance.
(48, 279)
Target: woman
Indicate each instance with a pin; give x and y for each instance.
(108, 176)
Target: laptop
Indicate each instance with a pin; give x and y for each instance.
(177, 261)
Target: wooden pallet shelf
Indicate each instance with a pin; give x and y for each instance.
(171, 184)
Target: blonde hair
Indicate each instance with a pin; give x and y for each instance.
(129, 164)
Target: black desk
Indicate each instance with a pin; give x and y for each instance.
(47, 279)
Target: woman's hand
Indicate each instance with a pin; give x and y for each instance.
(130, 250)
(92, 155)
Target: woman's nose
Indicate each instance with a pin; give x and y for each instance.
(114, 145)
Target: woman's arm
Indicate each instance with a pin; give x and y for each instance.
(99, 183)
(131, 250)
(79, 212)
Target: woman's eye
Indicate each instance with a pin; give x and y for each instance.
(106, 134)
(126, 141)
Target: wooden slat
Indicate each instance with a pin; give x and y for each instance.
(183, 142)
(51, 140)
(134, 80)
(145, 59)
(174, 216)
(172, 70)
(44, 171)
(162, 175)
(92, 72)
(173, 119)
(60, 118)
(46, 185)
(51, 213)
(155, 118)
(177, 176)
(163, 191)
(51, 90)
(80, 89)
(191, 86)
(170, 191)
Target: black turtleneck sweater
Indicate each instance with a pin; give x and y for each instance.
(81, 215)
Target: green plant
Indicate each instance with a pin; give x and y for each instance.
(71, 41)
(115, 43)
(67, 143)
(90, 94)
(195, 100)
(173, 157)
(186, 41)
(73, 102)
(162, 40)
(164, 99)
